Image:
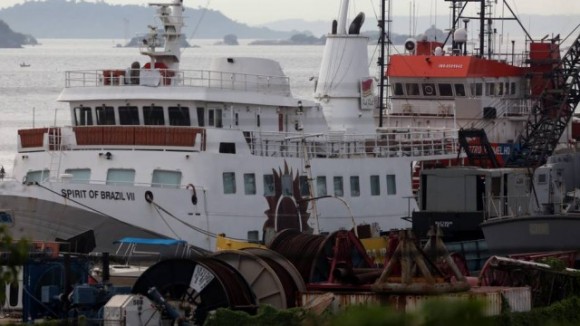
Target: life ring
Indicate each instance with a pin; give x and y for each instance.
(194, 195)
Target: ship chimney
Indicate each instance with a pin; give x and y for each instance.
(344, 74)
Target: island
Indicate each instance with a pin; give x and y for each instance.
(11, 39)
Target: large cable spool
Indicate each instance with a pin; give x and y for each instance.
(287, 273)
(300, 249)
(316, 255)
(267, 285)
(196, 287)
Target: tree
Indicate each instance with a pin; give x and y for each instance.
(12, 255)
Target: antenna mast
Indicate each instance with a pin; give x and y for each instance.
(384, 37)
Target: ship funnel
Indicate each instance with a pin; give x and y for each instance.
(345, 89)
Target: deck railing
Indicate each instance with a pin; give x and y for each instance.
(387, 143)
(178, 78)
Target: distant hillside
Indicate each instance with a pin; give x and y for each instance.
(11, 39)
(67, 19)
(537, 25)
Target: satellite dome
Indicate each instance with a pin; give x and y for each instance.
(460, 35)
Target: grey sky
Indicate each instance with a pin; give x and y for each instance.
(256, 12)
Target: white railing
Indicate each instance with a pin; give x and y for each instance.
(180, 78)
(391, 143)
(506, 206)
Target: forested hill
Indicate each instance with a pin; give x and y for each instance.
(79, 19)
(11, 39)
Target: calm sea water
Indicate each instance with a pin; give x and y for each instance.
(28, 95)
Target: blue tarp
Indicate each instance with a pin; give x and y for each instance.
(164, 242)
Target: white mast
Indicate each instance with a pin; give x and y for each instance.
(170, 15)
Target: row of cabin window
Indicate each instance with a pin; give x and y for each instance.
(287, 188)
(119, 177)
(147, 115)
(449, 90)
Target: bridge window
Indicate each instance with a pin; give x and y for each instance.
(445, 90)
(200, 117)
(268, 185)
(120, 177)
(476, 89)
(354, 186)
(128, 115)
(375, 185)
(513, 89)
(391, 184)
(459, 89)
(490, 89)
(229, 179)
(412, 89)
(249, 184)
(500, 89)
(153, 115)
(398, 90)
(179, 116)
(105, 115)
(166, 179)
(338, 186)
(79, 175)
(428, 89)
(83, 116)
(215, 118)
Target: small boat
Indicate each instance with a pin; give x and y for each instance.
(548, 219)
(24, 65)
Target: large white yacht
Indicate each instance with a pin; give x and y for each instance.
(155, 151)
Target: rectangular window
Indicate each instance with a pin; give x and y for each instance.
(83, 116)
(375, 185)
(249, 184)
(128, 115)
(153, 116)
(166, 179)
(120, 177)
(500, 89)
(412, 89)
(398, 89)
(445, 90)
(338, 186)
(258, 120)
(178, 116)
(304, 187)
(287, 185)
(476, 89)
(105, 115)
(229, 182)
(214, 118)
(237, 119)
(268, 185)
(321, 186)
(490, 89)
(459, 89)
(79, 175)
(354, 186)
(200, 117)
(513, 89)
(37, 176)
(391, 184)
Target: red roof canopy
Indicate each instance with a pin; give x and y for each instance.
(449, 67)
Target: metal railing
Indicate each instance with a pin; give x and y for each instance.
(179, 78)
(392, 143)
